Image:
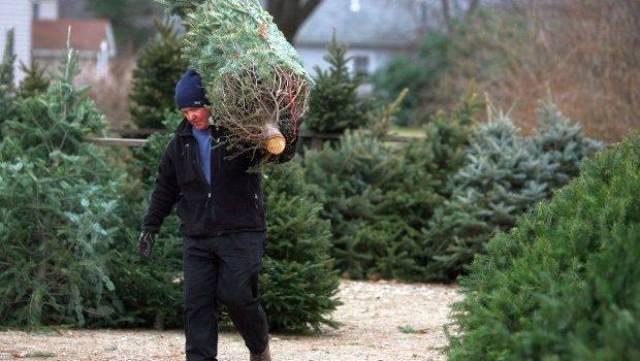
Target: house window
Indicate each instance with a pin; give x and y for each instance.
(36, 11)
(361, 65)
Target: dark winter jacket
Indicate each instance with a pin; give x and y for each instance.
(232, 203)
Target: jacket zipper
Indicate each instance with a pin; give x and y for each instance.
(211, 139)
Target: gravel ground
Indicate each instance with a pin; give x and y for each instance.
(381, 321)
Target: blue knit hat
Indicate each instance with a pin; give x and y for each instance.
(189, 91)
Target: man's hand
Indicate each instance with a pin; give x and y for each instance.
(145, 243)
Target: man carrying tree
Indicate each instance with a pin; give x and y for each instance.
(221, 209)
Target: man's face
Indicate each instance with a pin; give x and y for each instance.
(198, 117)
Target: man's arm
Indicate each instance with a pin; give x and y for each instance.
(165, 193)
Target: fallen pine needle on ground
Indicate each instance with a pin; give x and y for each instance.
(382, 320)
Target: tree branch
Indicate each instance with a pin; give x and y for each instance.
(446, 14)
(307, 9)
(473, 6)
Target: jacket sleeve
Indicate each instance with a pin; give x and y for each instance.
(164, 194)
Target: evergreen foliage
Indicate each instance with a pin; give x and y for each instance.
(7, 88)
(35, 81)
(57, 120)
(334, 104)
(421, 73)
(8, 61)
(350, 175)
(225, 37)
(154, 286)
(149, 289)
(58, 198)
(181, 7)
(499, 182)
(562, 285)
(157, 71)
(298, 283)
(504, 176)
(378, 198)
(253, 77)
(124, 15)
(421, 185)
(146, 159)
(562, 141)
(71, 213)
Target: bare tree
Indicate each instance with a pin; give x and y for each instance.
(289, 15)
(471, 8)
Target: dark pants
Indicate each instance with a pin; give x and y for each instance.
(223, 269)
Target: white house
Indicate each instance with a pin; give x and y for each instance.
(40, 33)
(93, 39)
(374, 30)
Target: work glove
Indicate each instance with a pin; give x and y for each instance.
(145, 243)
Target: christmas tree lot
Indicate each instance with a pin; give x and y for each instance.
(59, 200)
(71, 213)
(504, 175)
(564, 284)
(298, 282)
(254, 80)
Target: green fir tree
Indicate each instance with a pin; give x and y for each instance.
(425, 165)
(350, 174)
(8, 61)
(499, 182)
(58, 202)
(35, 81)
(59, 119)
(157, 71)
(565, 283)
(7, 88)
(334, 104)
(154, 296)
(562, 142)
(379, 197)
(368, 241)
(298, 282)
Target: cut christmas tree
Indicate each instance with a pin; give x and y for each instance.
(255, 82)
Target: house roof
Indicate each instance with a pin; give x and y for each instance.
(86, 35)
(378, 24)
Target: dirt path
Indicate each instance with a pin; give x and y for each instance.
(381, 321)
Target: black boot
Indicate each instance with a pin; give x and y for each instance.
(264, 356)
